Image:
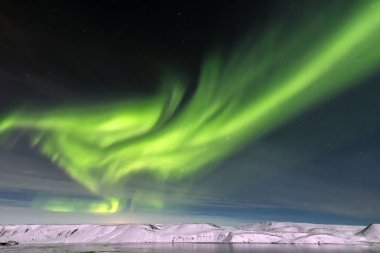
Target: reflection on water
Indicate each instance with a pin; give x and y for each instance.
(188, 248)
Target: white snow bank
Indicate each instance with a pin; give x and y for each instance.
(267, 232)
(371, 232)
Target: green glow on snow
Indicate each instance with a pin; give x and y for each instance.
(238, 99)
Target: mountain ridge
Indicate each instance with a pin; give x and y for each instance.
(265, 232)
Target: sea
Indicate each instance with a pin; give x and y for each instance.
(188, 248)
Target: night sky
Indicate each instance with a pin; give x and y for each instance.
(189, 111)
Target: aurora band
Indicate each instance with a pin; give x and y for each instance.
(239, 98)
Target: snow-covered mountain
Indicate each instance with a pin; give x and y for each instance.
(267, 232)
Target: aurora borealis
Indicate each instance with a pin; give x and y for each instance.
(174, 134)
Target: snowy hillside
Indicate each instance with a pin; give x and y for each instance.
(268, 232)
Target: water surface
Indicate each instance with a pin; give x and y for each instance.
(188, 248)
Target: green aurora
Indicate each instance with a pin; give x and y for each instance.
(239, 98)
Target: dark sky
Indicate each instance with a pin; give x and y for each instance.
(320, 166)
(62, 51)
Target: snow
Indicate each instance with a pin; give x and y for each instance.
(371, 232)
(266, 232)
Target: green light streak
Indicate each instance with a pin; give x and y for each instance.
(72, 205)
(237, 100)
